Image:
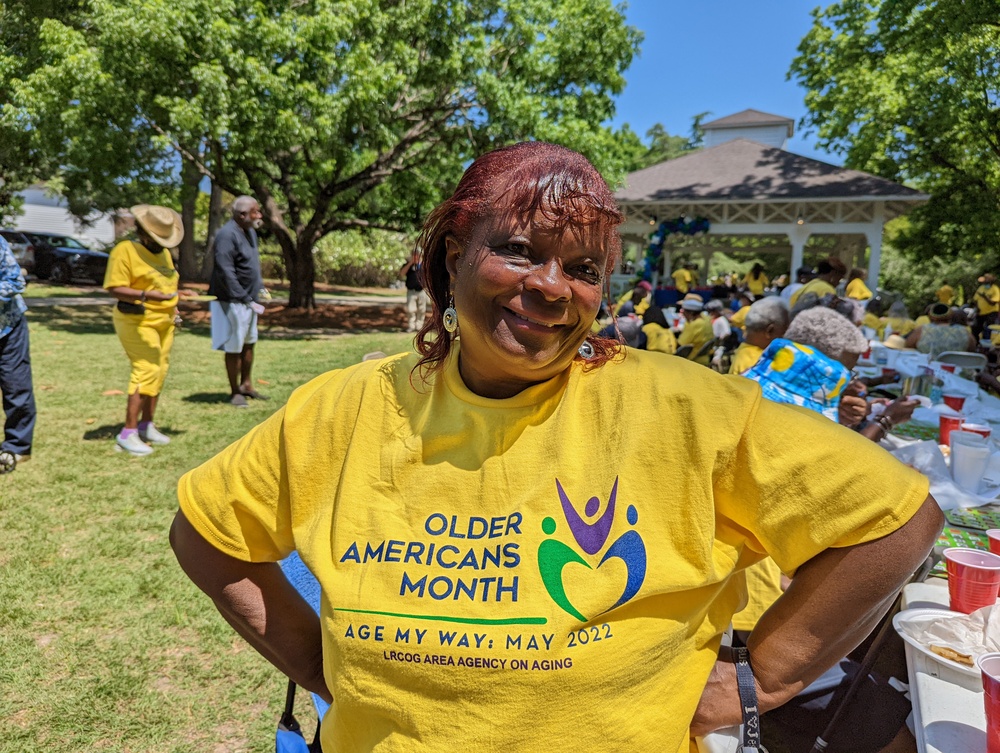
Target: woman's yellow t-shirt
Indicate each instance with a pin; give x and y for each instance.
(484, 562)
(659, 339)
(745, 356)
(132, 265)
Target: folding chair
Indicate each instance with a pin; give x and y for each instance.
(684, 351)
(289, 737)
(974, 361)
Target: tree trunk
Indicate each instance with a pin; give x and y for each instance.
(190, 178)
(301, 267)
(214, 223)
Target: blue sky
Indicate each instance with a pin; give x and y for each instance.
(721, 56)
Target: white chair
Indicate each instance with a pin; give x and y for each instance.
(963, 360)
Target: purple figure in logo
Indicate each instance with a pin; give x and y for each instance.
(590, 536)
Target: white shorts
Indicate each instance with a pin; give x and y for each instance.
(234, 325)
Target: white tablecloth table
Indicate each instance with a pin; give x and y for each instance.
(947, 718)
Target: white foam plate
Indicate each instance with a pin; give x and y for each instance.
(924, 615)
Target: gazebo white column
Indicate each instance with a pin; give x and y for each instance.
(798, 236)
(874, 236)
(706, 257)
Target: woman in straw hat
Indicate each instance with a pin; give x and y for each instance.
(142, 277)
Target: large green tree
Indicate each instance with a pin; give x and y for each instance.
(336, 115)
(910, 90)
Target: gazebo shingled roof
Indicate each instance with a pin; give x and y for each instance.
(750, 118)
(745, 170)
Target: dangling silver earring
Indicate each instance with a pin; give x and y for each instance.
(586, 350)
(450, 317)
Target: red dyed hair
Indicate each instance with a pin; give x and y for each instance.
(524, 179)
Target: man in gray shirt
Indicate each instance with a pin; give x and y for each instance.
(237, 283)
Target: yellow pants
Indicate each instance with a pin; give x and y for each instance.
(147, 339)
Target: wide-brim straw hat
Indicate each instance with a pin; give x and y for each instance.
(896, 342)
(162, 224)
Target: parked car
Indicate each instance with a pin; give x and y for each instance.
(24, 250)
(62, 258)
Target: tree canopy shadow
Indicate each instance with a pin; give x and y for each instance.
(207, 397)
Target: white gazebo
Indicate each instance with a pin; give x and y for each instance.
(746, 184)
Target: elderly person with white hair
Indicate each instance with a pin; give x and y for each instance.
(237, 285)
(765, 321)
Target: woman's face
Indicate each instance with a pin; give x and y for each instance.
(526, 295)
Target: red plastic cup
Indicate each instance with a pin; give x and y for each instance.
(949, 367)
(989, 665)
(955, 402)
(946, 426)
(981, 429)
(888, 372)
(993, 535)
(973, 579)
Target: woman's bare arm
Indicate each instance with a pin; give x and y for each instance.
(260, 604)
(834, 601)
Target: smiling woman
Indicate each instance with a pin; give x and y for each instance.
(486, 503)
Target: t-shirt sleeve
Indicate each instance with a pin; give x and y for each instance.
(238, 500)
(799, 483)
(119, 271)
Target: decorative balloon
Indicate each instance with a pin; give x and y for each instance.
(658, 238)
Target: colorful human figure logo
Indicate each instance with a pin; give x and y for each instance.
(554, 555)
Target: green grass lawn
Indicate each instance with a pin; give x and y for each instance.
(104, 644)
(36, 289)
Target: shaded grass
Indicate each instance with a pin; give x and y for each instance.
(104, 644)
(38, 289)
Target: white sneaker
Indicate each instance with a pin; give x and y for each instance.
(153, 435)
(133, 445)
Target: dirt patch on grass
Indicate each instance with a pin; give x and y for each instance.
(390, 317)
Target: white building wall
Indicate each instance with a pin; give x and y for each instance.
(772, 135)
(46, 214)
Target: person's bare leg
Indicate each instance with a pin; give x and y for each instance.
(132, 408)
(149, 407)
(246, 367)
(233, 368)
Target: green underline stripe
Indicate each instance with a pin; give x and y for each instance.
(462, 620)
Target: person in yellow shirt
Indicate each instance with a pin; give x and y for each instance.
(737, 319)
(829, 273)
(141, 275)
(682, 280)
(637, 301)
(697, 331)
(766, 320)
(755, 280)
(475, 527)
(659, 336)
(945, 294)
(856, 287)
(987, 298)
(898, 320)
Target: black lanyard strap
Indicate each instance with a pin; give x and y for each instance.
(748, 702)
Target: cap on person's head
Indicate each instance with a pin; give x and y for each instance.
(690, 304)
(693, 297)
(714, 305)
(643, 285)
(940, 311)
(988, 278)
(804, 271)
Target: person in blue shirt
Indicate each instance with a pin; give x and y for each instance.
(15, 365)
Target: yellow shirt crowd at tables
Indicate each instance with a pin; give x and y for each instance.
(816, 285)
(945, 294)
(899, 325)
(696, 334)
(857, 290)
(472, 582)
(873, 322)
(756, 285)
